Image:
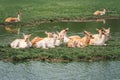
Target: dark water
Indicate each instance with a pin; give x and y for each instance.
(104, 70)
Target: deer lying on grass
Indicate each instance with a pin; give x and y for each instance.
(37, 39)
(107, 33)
(63, 35)
(96, 13)
(99, 39)
(80, 42)
(49, 35)
(12, 19)
(49, 42)
(22, 43)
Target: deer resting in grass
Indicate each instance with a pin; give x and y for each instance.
(80, 42)
(22, 43)
(96, 13)
(14, 19)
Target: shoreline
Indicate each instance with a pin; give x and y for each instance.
(37, 22)
(46, 59)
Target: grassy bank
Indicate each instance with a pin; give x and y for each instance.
(60, 54)
(36, 10)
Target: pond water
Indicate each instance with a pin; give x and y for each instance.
(35, 70)
(9, 33)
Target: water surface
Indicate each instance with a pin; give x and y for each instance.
(35, 70)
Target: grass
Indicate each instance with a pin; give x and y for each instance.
(60, 54)
(37, 10)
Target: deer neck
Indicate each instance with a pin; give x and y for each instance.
(28, 42)
(104, 11)
(103, 38)
(66, 39)
(54, 40)
(86, 40)
(18, 17)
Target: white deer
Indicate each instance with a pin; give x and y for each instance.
(37, 39)
(99, 39)
(63, 35)
(48, 42)
(22, 43)
(107, 33)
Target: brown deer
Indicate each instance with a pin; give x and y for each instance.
(96, 13)
(13, 19)
(80, 42)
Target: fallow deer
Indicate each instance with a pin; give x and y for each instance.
(80, 42)
(22, 43)
(99, 39)
(48, 42)
(96, 13)
(14, 19)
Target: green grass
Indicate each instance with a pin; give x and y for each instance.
(60, 54)
(35, 10)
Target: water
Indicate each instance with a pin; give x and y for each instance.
(35, 70)
(75, 28)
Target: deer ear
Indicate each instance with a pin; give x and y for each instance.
(103, 28)
(85, 32)
(53, 32)
(97, 29)
(67, 28)
(30, 35)
(23, 34)
(46, 32)
(109, 28)
(57, 32)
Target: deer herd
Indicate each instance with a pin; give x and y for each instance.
(54, 39)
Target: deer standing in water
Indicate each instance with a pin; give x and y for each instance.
(13, 19)
(96, 13)
(22, 43)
